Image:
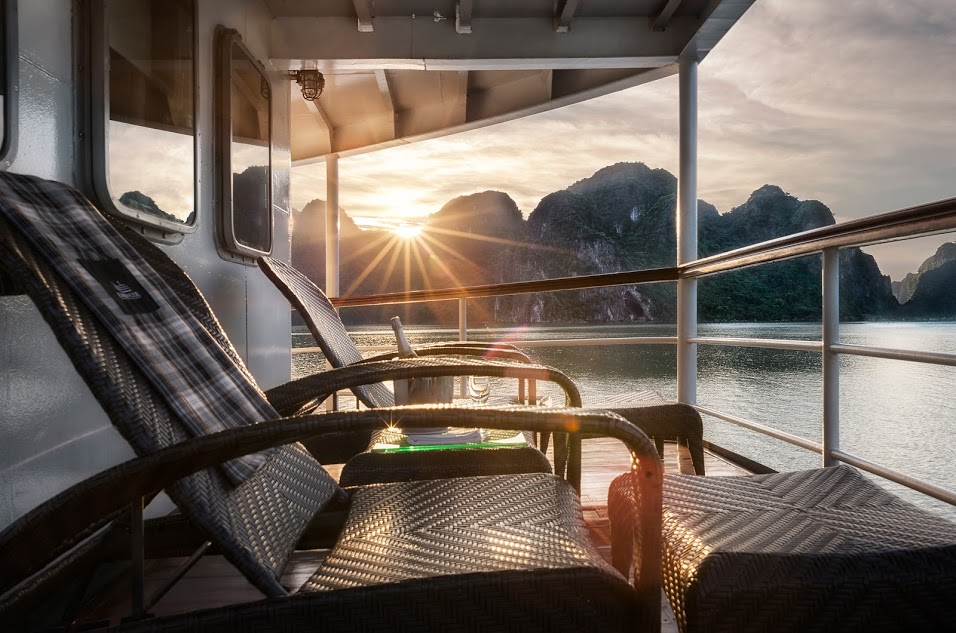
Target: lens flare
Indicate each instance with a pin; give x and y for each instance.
(407, 232)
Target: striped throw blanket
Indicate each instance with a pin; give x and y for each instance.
(185, 364)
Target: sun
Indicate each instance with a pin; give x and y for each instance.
(407, 231)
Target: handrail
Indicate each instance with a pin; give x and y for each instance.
(933, 358)
(571, 342)
(789, 438)
(585, 282)
(772, 343)
(924, 219)
(915, 483)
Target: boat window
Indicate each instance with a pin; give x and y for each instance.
(8, 80)
(147, 154)
(245, 146)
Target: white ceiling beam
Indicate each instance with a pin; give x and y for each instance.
(388, 102)
(460, 97)
(360, 66)
(531, 89)
(406, 43)
(463, 17)
(363, 9)
(660, 21)
(368, 131)
(716, 19)
(322, 119)
(550, 63)
(563, 15)
(450, 110)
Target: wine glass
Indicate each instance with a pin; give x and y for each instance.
(479, 388)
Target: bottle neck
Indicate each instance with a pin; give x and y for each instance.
(404, 349)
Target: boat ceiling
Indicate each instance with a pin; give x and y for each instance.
(402, 71)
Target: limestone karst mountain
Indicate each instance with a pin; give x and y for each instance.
(930, 293)
(620, 218)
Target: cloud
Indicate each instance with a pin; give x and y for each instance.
(849, 102)
(854, 100)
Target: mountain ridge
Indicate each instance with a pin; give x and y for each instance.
(620, 218)
(928, 293)
(903, 289)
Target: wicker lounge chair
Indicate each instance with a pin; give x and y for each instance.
(815, 550)
(366, 466)
(656, 418)
(481, 553)
(338, 347)
(303, 395)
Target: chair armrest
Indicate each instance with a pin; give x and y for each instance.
(311, 390)
(462, 348)
(52, 528)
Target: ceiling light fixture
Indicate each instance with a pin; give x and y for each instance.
(312, 82)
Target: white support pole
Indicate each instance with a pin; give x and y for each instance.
(332, 243)
(332, 225)
(463, 336)
(831, 359)
(687, 234)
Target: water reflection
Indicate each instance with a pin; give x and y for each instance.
(164, 190)
(151, 133)
(249, 158)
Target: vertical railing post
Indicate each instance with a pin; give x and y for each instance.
(463, 336)
(332, 241)
(831, 360)
(332, 225)
(687, 233)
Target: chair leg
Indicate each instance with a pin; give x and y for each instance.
(696, 447)
(620, 514)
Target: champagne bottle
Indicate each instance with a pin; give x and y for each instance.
(404, 349)
(405, 390)
(418, 390)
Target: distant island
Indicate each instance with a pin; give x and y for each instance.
(930, 292)
(620, 218)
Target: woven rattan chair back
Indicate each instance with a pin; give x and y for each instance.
(256, 524)
(325, 325)
(185, 289)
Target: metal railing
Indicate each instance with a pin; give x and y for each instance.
(587, 282)
(921, 220)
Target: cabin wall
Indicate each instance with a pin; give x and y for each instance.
(253, 313)
(52, 431)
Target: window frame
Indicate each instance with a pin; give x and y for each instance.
(160, 228)
(11, 79)
(229, 245)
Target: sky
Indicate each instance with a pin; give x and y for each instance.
(852, 103)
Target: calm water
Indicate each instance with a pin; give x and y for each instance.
(892, 412)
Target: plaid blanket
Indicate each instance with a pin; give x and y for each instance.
(199, 380)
